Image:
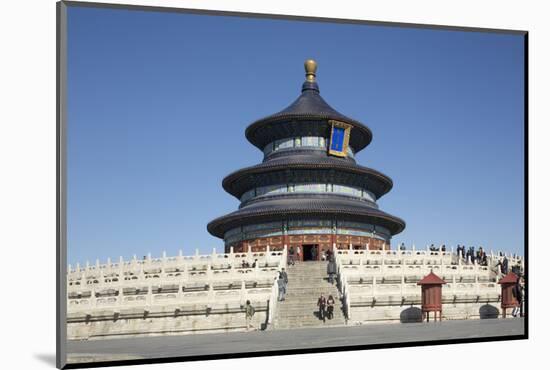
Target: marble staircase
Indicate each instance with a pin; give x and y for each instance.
(306, 282)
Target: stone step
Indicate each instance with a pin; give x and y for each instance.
(307, 319)
(308, 282)
(304, 316)
(304, 300)
(312, 291)
(306, 311)
(308, 298)
(311, 324)
(318, 271)
(312, 285)
(321, 270)
(317, 323)
(302, 307)
(325, 290)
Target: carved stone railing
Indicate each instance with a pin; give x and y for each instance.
(387, 277)
(211, 281)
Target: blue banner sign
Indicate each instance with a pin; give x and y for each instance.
(339, 138)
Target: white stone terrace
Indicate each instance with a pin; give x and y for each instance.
(371, 278)
(209, 281)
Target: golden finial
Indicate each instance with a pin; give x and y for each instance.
(311, 67)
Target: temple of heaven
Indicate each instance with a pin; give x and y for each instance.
(308, 194)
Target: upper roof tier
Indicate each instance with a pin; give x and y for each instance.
(307, 115)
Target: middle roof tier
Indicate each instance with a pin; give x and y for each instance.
(307, 168)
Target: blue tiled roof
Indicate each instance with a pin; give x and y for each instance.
(286, 208)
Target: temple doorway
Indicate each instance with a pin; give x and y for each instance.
(311, 252)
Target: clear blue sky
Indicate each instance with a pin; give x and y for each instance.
(158, 104)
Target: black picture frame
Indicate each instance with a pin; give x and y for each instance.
(61, 187)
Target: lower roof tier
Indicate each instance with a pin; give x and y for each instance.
(306, 168)
(280, 209)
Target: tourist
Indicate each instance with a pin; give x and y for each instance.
(331, 269)
(522, 290)
(281, 286)
(249, 313)
(313, 253)
(402, 247)
(329, 254)
(285, 277)
(504, 266)
(518, 295)
(458, 251)
(255, 263)
(322, 303)
(323, 256)
(290, 260)
(516, 269)
(330, 307)
(298, 251)
(480, 254)
(443, 248)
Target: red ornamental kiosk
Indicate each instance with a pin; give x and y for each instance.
(431, 295)
(508, 284)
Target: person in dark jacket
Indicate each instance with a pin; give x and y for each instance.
(504, 266)
(290, 260)
(249, 313)
(330, 307)
(484, 259)
(314, 254)
(322, 304)
(331, 269)
(517, 292)
(282, 288)
(285, 277)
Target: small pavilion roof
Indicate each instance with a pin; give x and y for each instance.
(509, 278)
(431, 279)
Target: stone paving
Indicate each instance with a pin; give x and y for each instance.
(208, 344)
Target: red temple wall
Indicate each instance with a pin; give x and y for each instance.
(322, 241)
